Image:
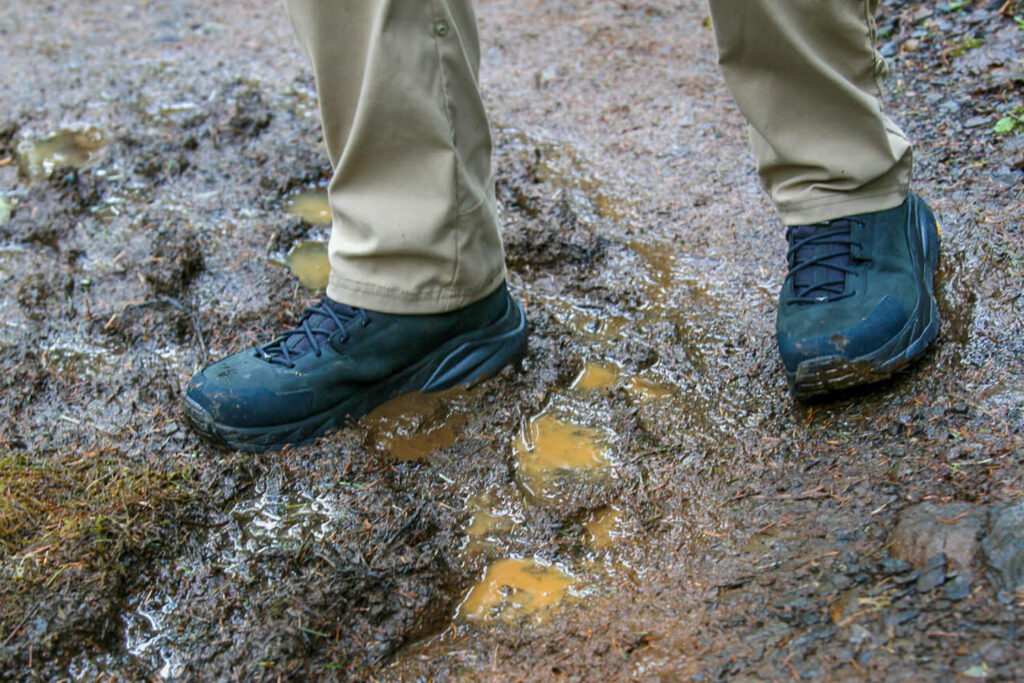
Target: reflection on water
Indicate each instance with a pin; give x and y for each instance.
(596, 376)
(487, 522)
(514, 588)
(645, 390)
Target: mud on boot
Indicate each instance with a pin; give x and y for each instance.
(340, 363)
(858, 304)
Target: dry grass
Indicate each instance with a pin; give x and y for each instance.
(77, 520)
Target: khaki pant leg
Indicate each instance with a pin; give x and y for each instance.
(805, 74)
(415, 227)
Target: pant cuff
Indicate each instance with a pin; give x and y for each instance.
(402, 302)
(842, 205)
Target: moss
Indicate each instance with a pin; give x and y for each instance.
(79, 520)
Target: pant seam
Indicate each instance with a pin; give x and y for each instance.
(451, 127)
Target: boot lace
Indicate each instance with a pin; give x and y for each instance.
(820, 259)
(315, 327)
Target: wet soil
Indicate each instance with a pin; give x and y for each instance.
(160, 161)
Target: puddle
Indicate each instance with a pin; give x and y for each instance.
(549, 448)
(601, 376)
(601, 530)
(308, 262)
(647, 391)
(488, 520)
(661, 262)
(597, 376)
(38, 157)
(311, 206)
(514, 588)
(413, 426)
(278, 522)
(147, 636)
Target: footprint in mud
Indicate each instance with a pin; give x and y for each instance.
(602, 531)
(601, 376)
(550, 449)
(487, 522)
(39, 157)
(514, 588)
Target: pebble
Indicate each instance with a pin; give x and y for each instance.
(933, 575)
(976, 121)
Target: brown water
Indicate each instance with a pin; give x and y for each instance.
(413, 426)
(601, 531)
(551, 447)
(514, 588)
(488, 521)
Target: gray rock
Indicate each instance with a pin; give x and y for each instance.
(959, 588)
(928, 529)
(933, 575)
(1004, 545)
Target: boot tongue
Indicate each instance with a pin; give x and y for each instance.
(829, 247)
(321, 324)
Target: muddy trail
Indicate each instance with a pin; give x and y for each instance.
(642, 500)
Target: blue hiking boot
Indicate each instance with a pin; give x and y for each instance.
(858, 303)
(340, 363)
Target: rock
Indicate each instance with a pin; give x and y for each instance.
(928, 529)
(1004, 545)
(933, 575)
(959, 588)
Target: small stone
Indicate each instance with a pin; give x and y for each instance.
(933, 575)
(959, 588)
(976, 121)
(906, 578)
(927, 529)
(5, 211)
(897, 618)
(1004, 545)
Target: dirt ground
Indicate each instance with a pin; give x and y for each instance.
(719, 530)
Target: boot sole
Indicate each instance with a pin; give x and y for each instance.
(829, 374)
(466, 359)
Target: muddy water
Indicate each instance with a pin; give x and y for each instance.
(39, 156)
(311, 206)
(551, 448)
(515, 588)
(413, 426)
(308, 262)
(488, 520)
(602, 529)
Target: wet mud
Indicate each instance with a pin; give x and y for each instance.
(643, 500)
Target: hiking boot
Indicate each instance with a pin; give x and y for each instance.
(858, 303)
(340, 363)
